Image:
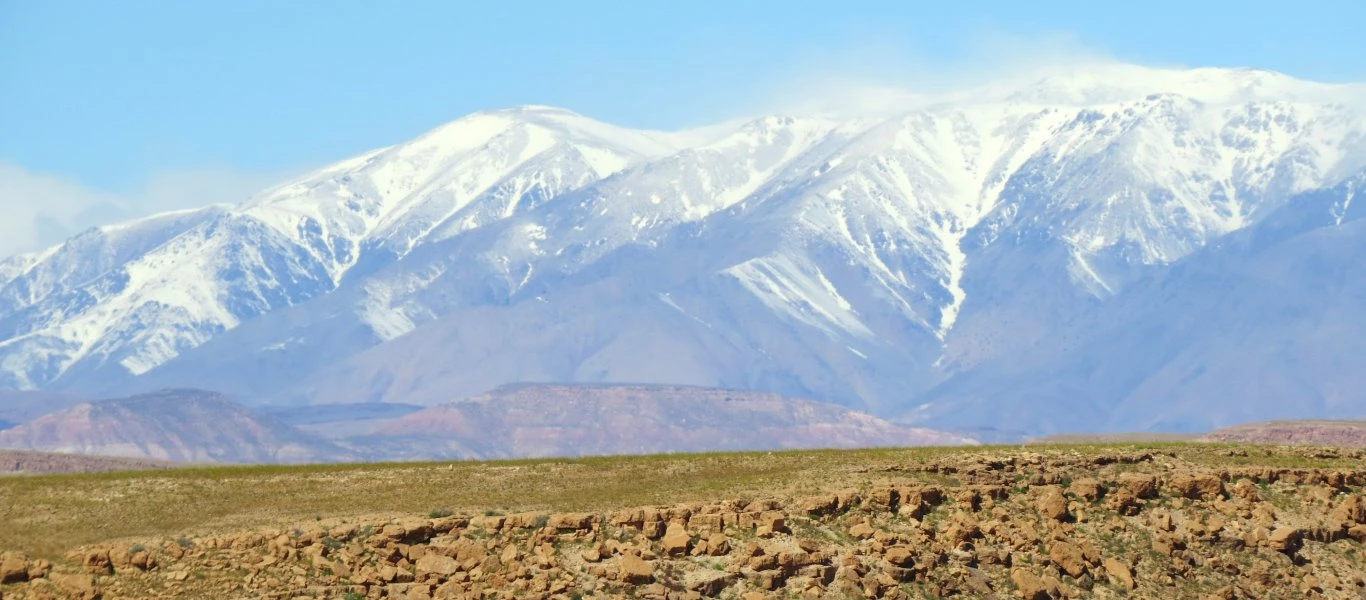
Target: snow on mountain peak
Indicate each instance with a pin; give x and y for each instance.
(845, 223)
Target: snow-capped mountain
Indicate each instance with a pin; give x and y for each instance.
(866, 260)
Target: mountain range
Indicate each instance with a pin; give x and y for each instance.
(1115, 249)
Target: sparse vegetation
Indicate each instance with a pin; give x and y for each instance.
(1040, 521)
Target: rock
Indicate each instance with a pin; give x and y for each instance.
(1034, 587)
(572, 521)
(1357, 532)
(1284, 539)
(1247, 490)
(676, 540)
(13, 568)
(1119, 573)
(595, 553)
(862, 531)
(634, 570)
(1088, 489)
(1053, 506)
(900, 556)
(1068, 557)
(718, 544)
(98, 562)
(773, 520)
(79, 586)
(438, 564)
(39, 569)
(1202, 486)
(1141, 485)
(1351, 511)
(821, 507)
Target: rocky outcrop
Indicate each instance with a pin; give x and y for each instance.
(994, 524)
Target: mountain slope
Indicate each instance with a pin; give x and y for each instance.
(1264, 324)
(874, 261)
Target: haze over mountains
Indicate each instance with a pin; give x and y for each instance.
(1129, 248)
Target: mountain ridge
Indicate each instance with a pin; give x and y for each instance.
(806, 255)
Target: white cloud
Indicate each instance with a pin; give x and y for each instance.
(38, 210)
(882, 73)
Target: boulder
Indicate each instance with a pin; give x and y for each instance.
(1284, 539)
(1068, 557)
(1197, 486)
(438, 564)
(1088, 489)
(676, 540)
(634, 570)
(13, 568)
(1034, 587)
(1053, 505)
(1119, 573)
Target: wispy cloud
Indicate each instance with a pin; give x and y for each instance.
(883, 73)
(38, 209)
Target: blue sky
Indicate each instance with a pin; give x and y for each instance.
(118, 96)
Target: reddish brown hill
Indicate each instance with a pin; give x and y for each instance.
(1351, 434)
(578, 420)
(174, 425)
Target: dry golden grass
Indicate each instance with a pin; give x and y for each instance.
(45, 516)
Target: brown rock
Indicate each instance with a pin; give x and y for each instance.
(718, 544)
(1351, 511)
(676, 540)
(98, 562)
(1141, 485)
(1284, 539)
(39, 569)
(1068, 557)
(1247, 490)
(13, 568)
(595, 553)
(572, 521)
(1357, 532)
(1053, 506)
(634, 570)
(900, 556)
(78, 586)
(1119, 573)
(1034, 587)
(1198, 486)
(821, 507)
(862, 531)
(773, 520)
(1088, 488)
(711, 584)
(438, 564)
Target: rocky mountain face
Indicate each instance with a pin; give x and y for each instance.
(1050, 256)
(173, 425)
(521, 421)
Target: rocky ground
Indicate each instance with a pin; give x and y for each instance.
(1160, 522)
